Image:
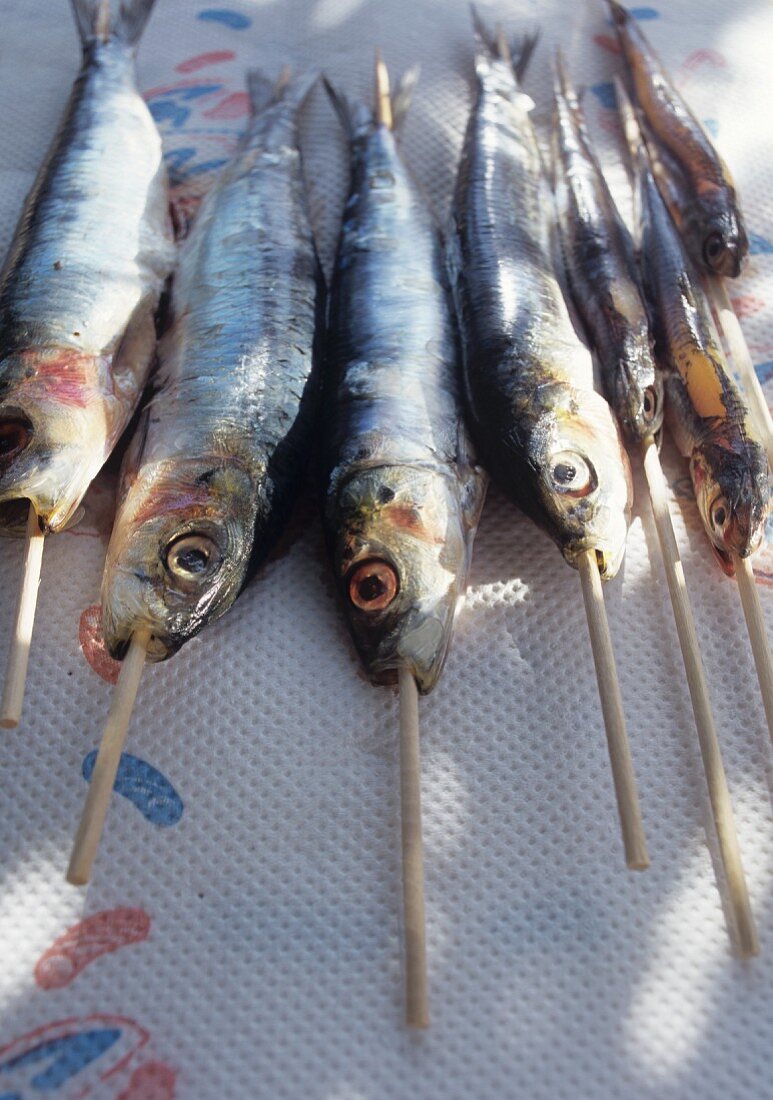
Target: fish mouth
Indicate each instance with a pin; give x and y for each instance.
(608, 560)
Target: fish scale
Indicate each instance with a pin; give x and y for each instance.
(543, 432)
(222, 446)
(601, 268)
(83, 277)
(402, 491)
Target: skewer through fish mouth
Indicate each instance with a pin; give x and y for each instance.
(608, 558)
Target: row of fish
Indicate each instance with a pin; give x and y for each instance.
(253, 354)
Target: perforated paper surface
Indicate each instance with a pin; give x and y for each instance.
(241, 936)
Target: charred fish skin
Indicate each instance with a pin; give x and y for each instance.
(705, 411)
(82, 280)
(222, 446)
(601, 268)
(702, 192)
(542, 431)
(402, 493)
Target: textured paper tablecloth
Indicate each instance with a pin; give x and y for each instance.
(256, 893)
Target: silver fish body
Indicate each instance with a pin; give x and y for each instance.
(705, 411)
(546, 436)
(602, 272)
(222, 445)
(402, 494)
(83, 277)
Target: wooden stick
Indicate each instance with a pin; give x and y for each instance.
(755, 624)
(108, 758)
(739, 351)
(416, 997)
(18, 657)
(634, 841)
(383, 98)
(716, 780)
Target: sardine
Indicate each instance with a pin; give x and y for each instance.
(221, 447)
(705, 412)
(697, 184)
(602, 271)
(542, 431)
(402, 493)
(80, 286)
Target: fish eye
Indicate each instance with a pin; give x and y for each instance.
(713, 246)
(193, 557)
(570, 473)
(649, 404)
(15, 434)
(373, 585)
(719, 514)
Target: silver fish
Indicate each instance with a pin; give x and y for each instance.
(80, 286)
(546, 436)
(222, 445)
(402, 493)
(601, 267)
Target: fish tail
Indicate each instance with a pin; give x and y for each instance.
(565, 91)
(562, 83)
(389, 109)
(620, 15)
(494, 46)
(101, 20)
(634, 138)
(292, 90)
(638, 156)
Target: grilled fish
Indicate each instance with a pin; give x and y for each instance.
(601, 267)
(402, 494)
(222, 445)
(705, 411)
(541, 429)
(696, 183)
(83, 277)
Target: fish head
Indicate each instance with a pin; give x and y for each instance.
(55, 432)
(179, 552)
(732, 491)
(583, 476)
(400, 555)
(724, 242)
(637, 390)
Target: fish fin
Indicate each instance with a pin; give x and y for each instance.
(620, 15)
(101, 20)
(472, 477)
(290, 89)
(355, 118)
(495, 46)
(638, 160)
(565, 89)
(403, 94)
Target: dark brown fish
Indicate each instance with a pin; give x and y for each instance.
(705, 412)
(696, 184)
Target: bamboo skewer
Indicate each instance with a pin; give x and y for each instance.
(716, 780)
(739, 351)
(634, 842)
(755, 624)
(108, 758)
(18, 657)
(416, 996)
